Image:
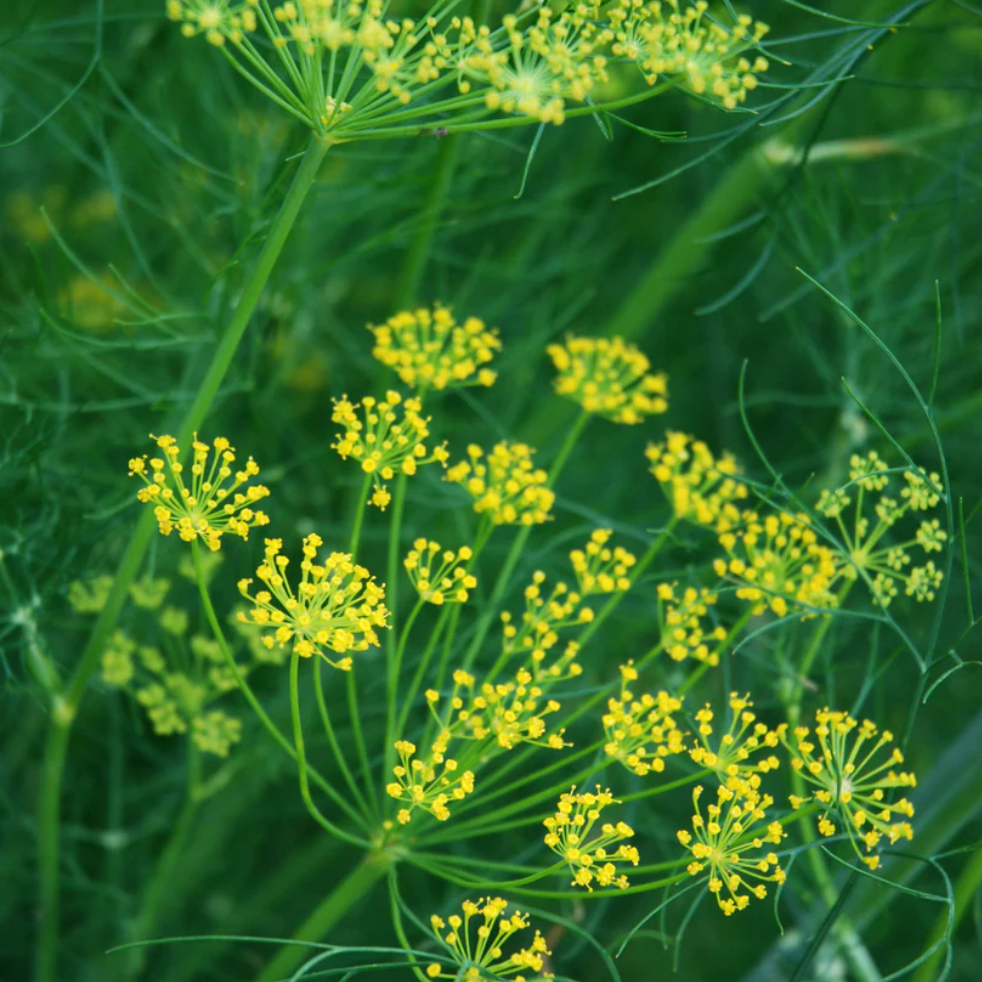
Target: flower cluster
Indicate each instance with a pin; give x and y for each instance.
(838, 761)
(737, 755)
(440, 580)
(700, 487)
(642, 732)
(505, 484)
(687, 628)
(501, 715)
(544, 616)
(336, 607)
(534, 65)
(610, 377)
(720, 841)
(600, 569)
(478, 954)
(177, 700)
(429, 349)
(570, 835)
(887, 563)
(390, 439)
(429, 785)
(89, 596)
(665, 39)
(213, 505)
(778, 563)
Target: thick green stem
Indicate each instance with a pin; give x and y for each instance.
(156, 889)
(357, 884)
(419, 250)
(65, 704)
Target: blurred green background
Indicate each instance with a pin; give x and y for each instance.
(128, 219)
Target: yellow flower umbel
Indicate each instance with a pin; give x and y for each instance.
(453, 70)
(687, 628)
(506, 486)
(665, 38)
(475, 944)
(429, 785)
(389, 440)
(778, 563)
(700, 487)
(569, 834)
(839, 763)
(536, 631)
(429, 349)
(642, 732)
(734, 755)
(610, 377)
(887, 563)
(600, 569)
(443, 580)
(177, 700)
(213, 505)
(718, 841)
(337, 605)
(501, 715)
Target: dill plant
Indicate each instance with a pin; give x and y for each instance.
(497, 720)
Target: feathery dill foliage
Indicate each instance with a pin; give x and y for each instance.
(590, 667)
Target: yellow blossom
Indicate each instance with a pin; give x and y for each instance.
(600, 569)
(687, 626)
(719, 842)
(737, 755)
(430, 349)
(336, 607)
(778, 563)
(838, 761)
(213, 505)
(390, 440)
(218, 20)
(430, 785)
(610, 377)
(536, 631)
(699, 486)
(440, 580)
(475, 943)
(505, 485)
(642, 732)
(570, 834)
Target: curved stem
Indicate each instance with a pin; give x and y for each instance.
(271, 728)
(421, 668)
(354, 712)
(325, 823)
(392, 573)
(65, 705)
(332, 739)
(360, 505)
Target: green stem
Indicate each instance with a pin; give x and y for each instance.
(271, 728)
(154, 893)
(65, 704)
(356, 885)
(394, 669)
(399, 929)
(392, 574)
(360, 505)
(314, 811)
(419, 251)
(353, 711)
(332, 739)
